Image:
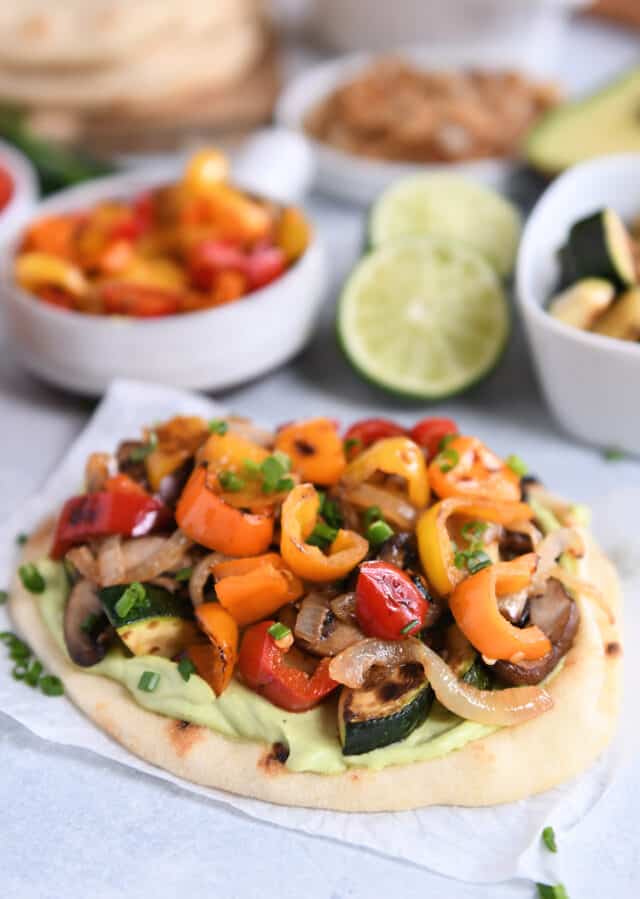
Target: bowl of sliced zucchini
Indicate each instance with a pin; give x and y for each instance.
(578, 286)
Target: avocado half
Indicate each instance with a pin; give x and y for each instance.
(605, 122)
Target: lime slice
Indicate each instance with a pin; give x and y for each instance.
(449, 206)
(424, 317)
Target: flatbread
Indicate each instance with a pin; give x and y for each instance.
(513, 763)
(168, 67)
(42, 33)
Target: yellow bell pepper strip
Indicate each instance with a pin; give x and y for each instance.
(434, 542)
(298, 519)
(176, 441)
(255, 588)
(315, 449)
(293, 233)
(215, 661)
(395, 456)
(475, 609)
(206, 169)
(209, 520)
(34, 270)
(466, 467)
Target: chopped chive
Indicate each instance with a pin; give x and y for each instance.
(132, 596)
(411, 626)
(7, 637)
(517, 465)
(19, 651)
(373, 513)
(549, 839)
(283, 459)
(186, 668)
(446, 440)
(183, 574)
(149, 681)
(51, 685)
(31, 578)
(218, 426)
(330, 510)
(279, 631)
(351, 443)
(89, 623)
(4, 596)
(613, 454)
(251, 468)
(21, 539)
(473, 530)
(460, 559)
(284, 485)
(32, 677)
(230, 481)
(19, 670)
(476, 561)
(448, 459)
(378, 532)
(273, 469)
(322, 535)
(546, 891)
(140, 453)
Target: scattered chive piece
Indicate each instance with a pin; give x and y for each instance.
(19, 650)
(149, 681)
(230, 481)
(273, 470)
(7, 637)
(19, 670)
(183, 575)
(279, 631)
(32, 677)
(140, 453)
(218, 426)
(517, 465)
(446, 440)
(373, 513)
(322, 535)
(549, 839)
(89, 623)
(460, 559)
(284, 484)
(31, 578)
(612, 454)
(51, 685)
(546, 891)
(473, 530)
(350, 444)
(134, 594)
(282, 458)
(21, 539)
(186, 668)
(330, 511)
(476, 561)
(411, 626)
(251, 468)
(448, 459)
(4, 596)
(378, 532)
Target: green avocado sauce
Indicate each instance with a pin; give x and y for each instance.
(240, 714)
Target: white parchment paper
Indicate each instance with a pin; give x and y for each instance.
(482, 845)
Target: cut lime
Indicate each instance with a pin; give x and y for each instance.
(424, 317)
(452, 207)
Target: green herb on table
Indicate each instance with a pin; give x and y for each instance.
(546, 891)
(51, 685)
(549, 839)
(31, 578)
(612, 454)
(27, 668)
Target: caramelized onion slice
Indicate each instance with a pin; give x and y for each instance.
(394, 508)
(499, 707)
(166, 557)
(549, 550)
(200, 576)
(111, 568)
(84, 562)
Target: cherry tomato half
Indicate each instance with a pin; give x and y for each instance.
(363, 433)
(388, 604)
(264, 265)
(210, 257)
(428, 433)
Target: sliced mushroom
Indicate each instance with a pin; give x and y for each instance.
(86, 629)
(319, 630)
(128, 465)
(171, 485)
(513, 605)
(400, 549)
(555, 613)
(513, 544)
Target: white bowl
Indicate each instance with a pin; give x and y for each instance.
(357, 178)
(25, 191)
(591, 383)
(213, 349)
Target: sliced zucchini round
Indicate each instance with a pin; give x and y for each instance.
(384, 713)
(161, 624)
(600, 246)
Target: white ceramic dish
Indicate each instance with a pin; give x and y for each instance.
(591, 383)
(25, 191)
(211, 350)
(361, 180)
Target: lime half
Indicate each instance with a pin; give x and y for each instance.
(424, 317)
(452, 207)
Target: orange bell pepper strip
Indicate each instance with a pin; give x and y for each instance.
(255, 588)
(395, 456)
(315, 449)
(210, 521)
(434, 542)
(475, 609)
(177, 440)
(466, 467)
(298, 519)
(215, 662)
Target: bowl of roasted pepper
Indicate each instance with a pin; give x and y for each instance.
(176, 275)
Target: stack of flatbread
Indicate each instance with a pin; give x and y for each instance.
(104, 64)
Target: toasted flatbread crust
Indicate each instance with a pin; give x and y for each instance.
(511, 764)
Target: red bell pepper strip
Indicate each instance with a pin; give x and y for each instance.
(210, 258)
(363, 433)
(263, 668)
(388, 603)
(428, 434)
(106, 512)
(264, 265)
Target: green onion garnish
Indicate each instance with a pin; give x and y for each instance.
(476, 561)
(517, 465)
(19, 670)
(473, 530)
(21, 539)
(549, 839)
(546, 891)
(32, 677)
(149, 681)
(322, 535)
(218, 426)
(613, 454)
(140, 453)
(230, 481)
(446, 440)
(351, 443)
(132, 596)
(285, 484)
(273, 469)
(252, 468)
(279, 631)
(373, 513)
(19, 650)
(183, 574)
(448, 459)
(7, 637)
(378, 532)
(186, 668)
(51, 685)
(411, 626)
(4, 596)
(31, 578)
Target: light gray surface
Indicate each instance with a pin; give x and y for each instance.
(75, 824)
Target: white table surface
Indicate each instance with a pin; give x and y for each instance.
(75, 825)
